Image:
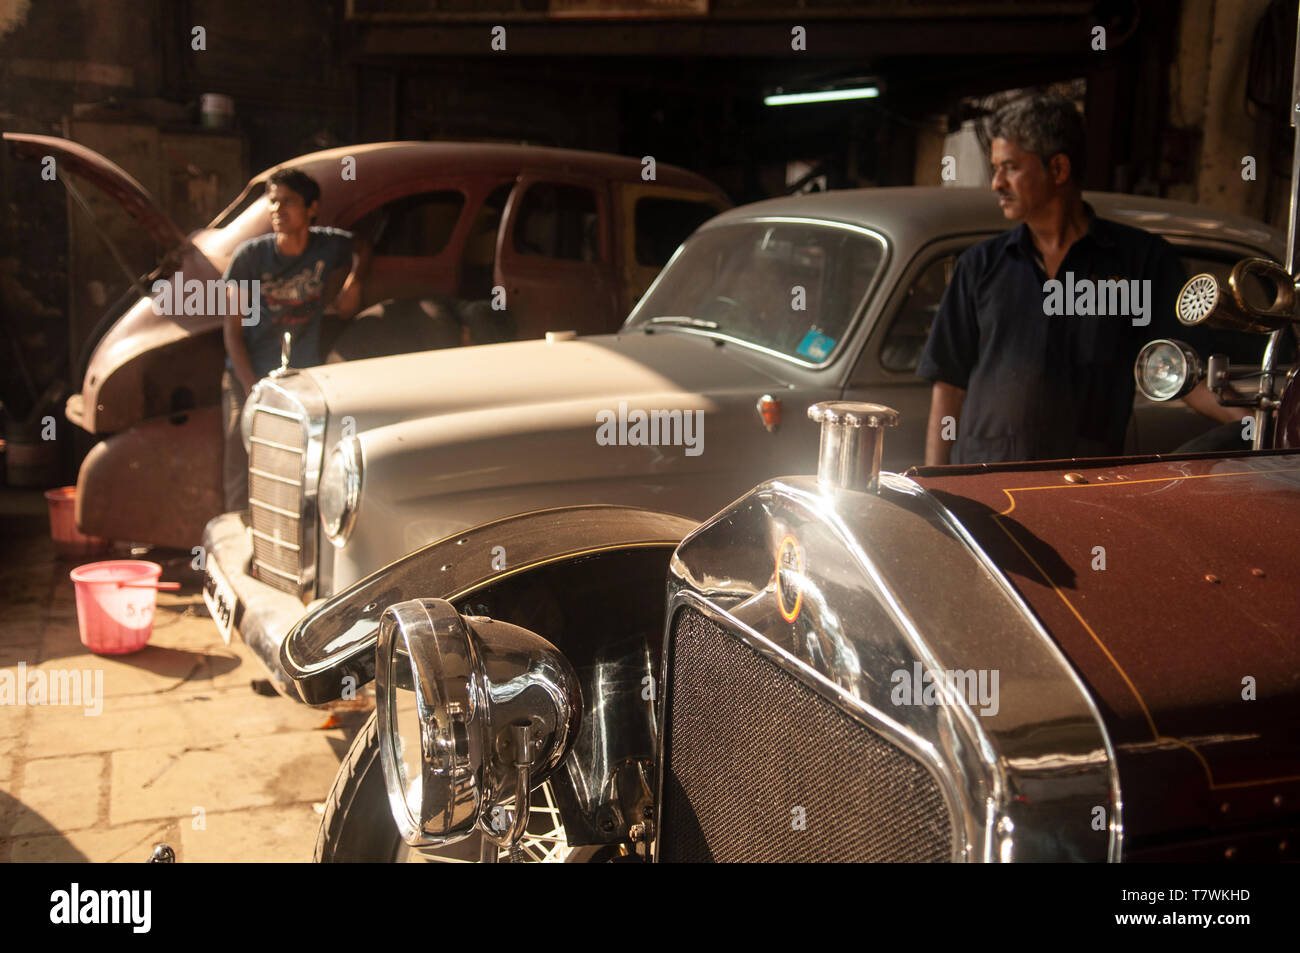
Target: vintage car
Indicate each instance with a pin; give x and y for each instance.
(1086, 660)
(572, 238)
(765, 310)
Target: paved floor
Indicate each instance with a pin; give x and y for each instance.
(184, 751)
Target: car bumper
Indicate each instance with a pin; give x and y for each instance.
(263, 616)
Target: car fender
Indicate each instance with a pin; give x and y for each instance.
(590, 579)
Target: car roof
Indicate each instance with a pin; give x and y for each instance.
(911, 216)
(390, 158)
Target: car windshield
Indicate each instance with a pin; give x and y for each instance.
(791, 286)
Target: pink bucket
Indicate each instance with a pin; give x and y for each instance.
(68, 540)
(115, 604)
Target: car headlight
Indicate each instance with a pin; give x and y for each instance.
(340, 490)
(1167, 370)
(472, 714)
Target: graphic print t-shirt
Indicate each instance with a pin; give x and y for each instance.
(291, 294)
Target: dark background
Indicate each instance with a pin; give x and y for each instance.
(1183, 90)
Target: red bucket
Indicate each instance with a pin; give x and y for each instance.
(115, 604)
(68, 540)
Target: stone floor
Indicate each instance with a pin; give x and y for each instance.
(185, 750)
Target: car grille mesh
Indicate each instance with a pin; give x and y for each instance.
(275, 489)
(753, 753)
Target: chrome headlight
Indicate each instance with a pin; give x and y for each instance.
(340, 490)
(1167, 370)
(457, 698)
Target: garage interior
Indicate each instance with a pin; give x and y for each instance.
(1177, 95)
(1180, 94)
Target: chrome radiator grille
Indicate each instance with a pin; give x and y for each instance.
(759, 767)
(276, 455)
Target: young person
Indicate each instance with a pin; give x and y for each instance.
(301, 268)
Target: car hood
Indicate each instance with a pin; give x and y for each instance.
(451, 439)
(133, 197)
(1169, 584)
(141, 346)
(385, 390)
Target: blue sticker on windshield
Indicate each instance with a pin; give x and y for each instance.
(815, 346)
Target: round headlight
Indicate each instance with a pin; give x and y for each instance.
(1167, 370)
(451, 693)
(340, 491)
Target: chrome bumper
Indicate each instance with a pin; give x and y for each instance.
(264, 615)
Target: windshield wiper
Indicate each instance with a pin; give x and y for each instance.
(679, 320)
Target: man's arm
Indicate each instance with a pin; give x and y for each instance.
(348, 302)
(232, 333)
(1203, 401)
(951, 352)
(945, 401)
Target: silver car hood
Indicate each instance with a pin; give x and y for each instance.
(451, 439)
(405, 387)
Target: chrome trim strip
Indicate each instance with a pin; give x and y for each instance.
(272, 476)
(278, 572)
(280, 413)
(272, 540)
(850, 328)
(274, 509)
(278, 446)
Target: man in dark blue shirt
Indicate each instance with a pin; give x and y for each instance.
(299, 268)
(1031, 353)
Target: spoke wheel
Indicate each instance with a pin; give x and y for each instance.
(357, 827)
(543, 843)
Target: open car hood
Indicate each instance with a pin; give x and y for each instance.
(114, 181)
(145, 364)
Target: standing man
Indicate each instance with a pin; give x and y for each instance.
(1021, 379)
(300, 268)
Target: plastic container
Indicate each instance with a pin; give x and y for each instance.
(115, 604)
(68, 540)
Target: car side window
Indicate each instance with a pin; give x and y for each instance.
(558, 221)
(663, 224)
(415, 226)
(480, 255)
(905, 339)
(910, 327)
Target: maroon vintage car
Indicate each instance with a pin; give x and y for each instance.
(569, 240)
(1086, 660)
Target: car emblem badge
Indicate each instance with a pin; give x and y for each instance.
(789, 578)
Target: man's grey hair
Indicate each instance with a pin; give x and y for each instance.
(1045, 125)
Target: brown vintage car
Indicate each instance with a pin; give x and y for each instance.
(574, 238)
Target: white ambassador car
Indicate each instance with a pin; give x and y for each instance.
(702, 394)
